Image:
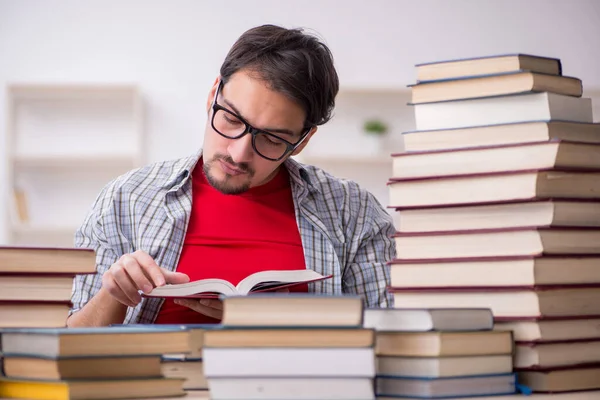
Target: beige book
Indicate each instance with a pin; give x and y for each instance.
(501, 134)
(495, 85)
(489, 159)
(496, 271)
(442, 344)
(503, 215)
(511, 302)
(494, 64)
(493, 188)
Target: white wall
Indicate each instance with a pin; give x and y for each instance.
(173, 48)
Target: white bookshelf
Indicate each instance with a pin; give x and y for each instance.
(64, 143)
(342, 148)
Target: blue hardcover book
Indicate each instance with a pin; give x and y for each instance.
(446, 388)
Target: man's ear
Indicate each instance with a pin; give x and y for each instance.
(211, 93)
(303, 145)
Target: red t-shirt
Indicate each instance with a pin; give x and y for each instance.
(232, 236)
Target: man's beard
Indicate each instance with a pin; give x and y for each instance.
(226, 186)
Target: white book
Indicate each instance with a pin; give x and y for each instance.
(286, 362)
(442, 319)
(502, 110)
(291, 388)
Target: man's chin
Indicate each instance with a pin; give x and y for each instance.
(227, 184)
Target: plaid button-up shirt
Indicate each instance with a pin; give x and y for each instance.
(345, 232)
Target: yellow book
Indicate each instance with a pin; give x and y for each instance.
(90, 389)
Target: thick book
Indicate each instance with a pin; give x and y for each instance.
(496, 271)
(36, 286)
(508, 302)
(440, 367)
(288, 310)
(556, 354)
(512, 214)
(34, 313)
(118, 367)
(527, 241)
(263, 281)
(492, 188)
(501, 134)
(291, 388)
(105, 341)
(502, 110)
(91, 389)
(23, 259)
(514, 82)
(443, 344)
(439, 388)
(305, 337)
(562, 379)
(547, 155)
(557, 329)
(493, 64)
(286, 362)
(421, 319)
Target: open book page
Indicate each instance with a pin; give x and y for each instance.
(258, 282)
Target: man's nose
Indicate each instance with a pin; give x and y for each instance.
(241, 149)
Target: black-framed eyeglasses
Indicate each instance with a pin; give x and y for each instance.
(266, 144)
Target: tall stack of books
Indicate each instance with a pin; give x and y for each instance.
(498, 199)
(440, 353)
(290, 346)
(89, 363)
(36, 284)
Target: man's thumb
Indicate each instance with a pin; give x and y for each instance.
(175, 277)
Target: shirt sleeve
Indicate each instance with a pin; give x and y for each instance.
(91, 234)
(367, 274)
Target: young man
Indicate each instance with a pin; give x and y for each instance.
(242, 205)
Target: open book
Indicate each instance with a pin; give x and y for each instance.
(258, 282)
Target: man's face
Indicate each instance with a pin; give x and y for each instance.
(232, 166)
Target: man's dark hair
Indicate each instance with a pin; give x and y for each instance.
(293, 63)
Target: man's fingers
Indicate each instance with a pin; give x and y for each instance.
(213, 311)
(110, 284)
(137, 275)
(150, 268)
(175, 277)
(127, 286)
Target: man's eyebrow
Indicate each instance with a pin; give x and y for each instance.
(273, 130)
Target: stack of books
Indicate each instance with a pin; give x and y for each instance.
(290, 346)
(498, 199)
(89, 363)
(440, 353)
(36, 284)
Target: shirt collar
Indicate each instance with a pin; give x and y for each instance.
(183, 168)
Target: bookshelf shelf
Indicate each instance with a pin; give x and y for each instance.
(74, 161)
(64, 143)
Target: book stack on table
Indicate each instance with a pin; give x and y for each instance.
(498, 199)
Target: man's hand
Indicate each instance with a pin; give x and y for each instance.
(137, 271)
(210, 307)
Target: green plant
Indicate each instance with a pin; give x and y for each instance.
(375, 127)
